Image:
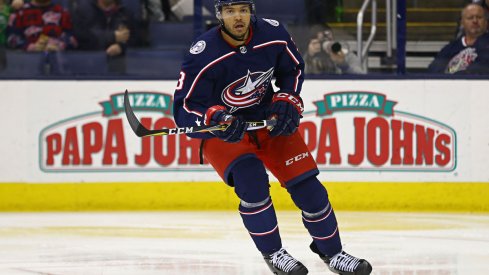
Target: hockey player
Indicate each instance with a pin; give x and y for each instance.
(226, 78)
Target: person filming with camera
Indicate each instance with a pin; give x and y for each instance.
(333, 56)
(346, 62)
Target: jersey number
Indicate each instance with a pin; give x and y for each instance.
(180, 81)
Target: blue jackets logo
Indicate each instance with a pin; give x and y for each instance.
(248, 90)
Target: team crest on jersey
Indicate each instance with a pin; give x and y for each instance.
(198, 47)
(271, 22)
(462, 60)
(248, 90)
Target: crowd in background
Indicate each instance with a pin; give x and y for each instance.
(468, 53)
(42, 25)
(39, 25)
(95, 25)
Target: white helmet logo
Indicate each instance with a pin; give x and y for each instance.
(198, 47)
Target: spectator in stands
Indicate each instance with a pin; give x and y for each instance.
(343, 60)
(470, 53)
(17, 4)
(41, 26)
(105, 25)
(485, 5)
(346, 62)
(316, 60)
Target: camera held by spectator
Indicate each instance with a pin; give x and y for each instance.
(345, 60)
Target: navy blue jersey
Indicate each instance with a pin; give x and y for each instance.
(239, 78)
(457, 57)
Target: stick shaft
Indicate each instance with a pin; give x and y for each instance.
(142, 131)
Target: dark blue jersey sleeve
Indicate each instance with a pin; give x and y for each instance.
(192, 95)
(289, 70)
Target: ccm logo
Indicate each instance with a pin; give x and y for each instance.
(184, 130)
(297, 158)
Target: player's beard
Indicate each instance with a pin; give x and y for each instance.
(238, 35)
(243, 36)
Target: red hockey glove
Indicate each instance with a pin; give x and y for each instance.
(219, 115)
(287, 109)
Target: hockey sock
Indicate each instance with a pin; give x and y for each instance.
(256, 207)
(317, 214)
(262, 225)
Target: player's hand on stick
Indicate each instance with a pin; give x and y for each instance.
(219, 115)
(287, 110)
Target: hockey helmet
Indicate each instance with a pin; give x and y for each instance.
(219, 3)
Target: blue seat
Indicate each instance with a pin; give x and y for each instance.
(25, 64)
(169, 35)
(164, 64)
(79, 63)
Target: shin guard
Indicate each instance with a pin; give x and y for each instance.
(261, 222)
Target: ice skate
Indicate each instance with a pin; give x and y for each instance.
(344, 263)
(281, 263)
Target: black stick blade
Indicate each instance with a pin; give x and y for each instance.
(136, 126)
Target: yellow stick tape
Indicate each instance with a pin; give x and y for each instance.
(358, 196)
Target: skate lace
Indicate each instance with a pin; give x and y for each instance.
(344, 262)
(282, 260)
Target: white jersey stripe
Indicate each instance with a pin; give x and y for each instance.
(297, 80)
(279, 42)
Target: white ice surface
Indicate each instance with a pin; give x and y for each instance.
(181, 243)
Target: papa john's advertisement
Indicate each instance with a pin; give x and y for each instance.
(362, 130)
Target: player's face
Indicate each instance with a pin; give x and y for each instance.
(474, 21)
(237, 19)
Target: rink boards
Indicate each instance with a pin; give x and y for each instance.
(409, 145)
(355, 196)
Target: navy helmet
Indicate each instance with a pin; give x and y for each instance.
(219, 3)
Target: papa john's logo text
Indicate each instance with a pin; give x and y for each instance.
(361, 131)
(103, 141)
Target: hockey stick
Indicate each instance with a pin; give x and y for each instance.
(142, 131)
